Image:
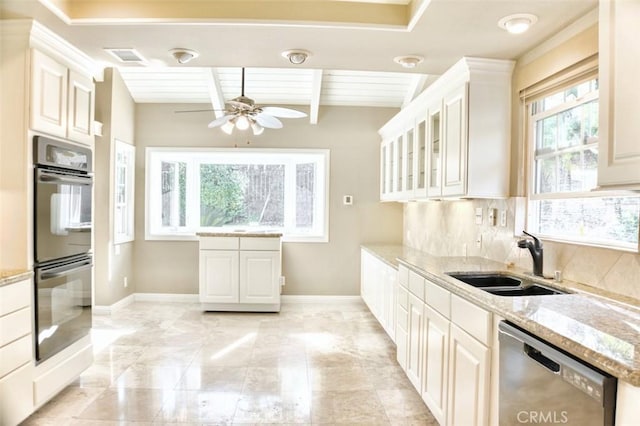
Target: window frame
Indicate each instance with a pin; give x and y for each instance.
(531, 176)
(230, 156)
(129, 152)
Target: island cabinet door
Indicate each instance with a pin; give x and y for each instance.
(219, 276)
(259, 277)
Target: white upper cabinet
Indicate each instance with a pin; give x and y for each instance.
(456, 136)
(62, 100)
(619, 68)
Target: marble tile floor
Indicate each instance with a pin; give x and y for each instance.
(171, 363)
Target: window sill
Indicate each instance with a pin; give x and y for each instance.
(552, 239)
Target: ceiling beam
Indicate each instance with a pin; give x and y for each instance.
(215, 92)
(416, 86)
(316, 89)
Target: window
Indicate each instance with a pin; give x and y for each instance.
(563, 134)
(124, 166)
(230, 189)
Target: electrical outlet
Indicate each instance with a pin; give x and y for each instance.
(126, 282)
(282, 281)
(492, 217)
(479, 241)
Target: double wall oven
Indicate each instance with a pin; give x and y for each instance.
(63, 182)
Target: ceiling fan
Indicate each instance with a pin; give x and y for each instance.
(242, 113)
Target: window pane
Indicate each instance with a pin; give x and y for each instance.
(173, 190)
(242, 195)
(546, 172)
(305, 194)
(570, 128)
(570, 174)
(547, 134)
(603, 220)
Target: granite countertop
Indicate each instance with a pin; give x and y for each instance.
(10, 276)
(597, 326)
(251, 234)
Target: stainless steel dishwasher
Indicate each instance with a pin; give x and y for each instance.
(542, 385)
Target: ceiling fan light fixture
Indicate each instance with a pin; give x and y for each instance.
(517, 23)
(408, 61)
(257, 129)
(296, 56)
(227, 127)
(242, 122)
(183, 55)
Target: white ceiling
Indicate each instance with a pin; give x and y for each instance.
(353, 59)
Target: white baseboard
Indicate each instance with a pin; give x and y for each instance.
(319, 299)
(108, 310)
(194, 298)
(167, 297)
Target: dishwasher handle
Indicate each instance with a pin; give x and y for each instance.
(539, 357)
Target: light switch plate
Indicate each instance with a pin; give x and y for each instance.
(503, 218)
(479, 216)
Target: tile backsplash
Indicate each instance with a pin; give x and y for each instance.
(448, 228)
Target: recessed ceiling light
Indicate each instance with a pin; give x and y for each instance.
(183, 55)
(296, 56)
(517, 23)
(409, 61)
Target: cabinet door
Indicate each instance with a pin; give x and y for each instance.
(434, 150)
(454, 172)
(219, 276)
(408, 169)
(259, 277)
(391, 285)
(468, 380)
(49, 81)
(436, 362)
(81, 107)
(420, 161)
(618, 147)
(402, 324)
(415, 336)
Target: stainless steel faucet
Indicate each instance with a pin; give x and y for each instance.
(535, 247)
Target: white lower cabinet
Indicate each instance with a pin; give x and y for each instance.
(240, 274)
(469, 362)
(378, 288)
(444, 346)
(436, 363)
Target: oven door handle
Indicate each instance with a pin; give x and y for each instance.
(62, 271)
(49, 177)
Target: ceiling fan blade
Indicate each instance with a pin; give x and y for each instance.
(268, 121)
(220, 121)
(283, 112)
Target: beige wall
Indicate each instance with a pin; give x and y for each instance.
(116, 110)
(331, 268)
(446, 228)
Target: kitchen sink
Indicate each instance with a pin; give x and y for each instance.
(505, 285)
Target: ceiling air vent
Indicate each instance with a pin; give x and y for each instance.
(126, 55)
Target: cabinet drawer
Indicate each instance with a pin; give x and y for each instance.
(15, 354)
(403, 276)
(219, 243)
(403, 298)
(416, 285)
(402, 319)
(15, 296)
(15, 325)
(258, 243)
(438, 298)
(472, 319)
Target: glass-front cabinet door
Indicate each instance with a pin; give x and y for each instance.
(397, 165)
(420, 161)
(385, 173)
(434, 151)
(409, 166)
